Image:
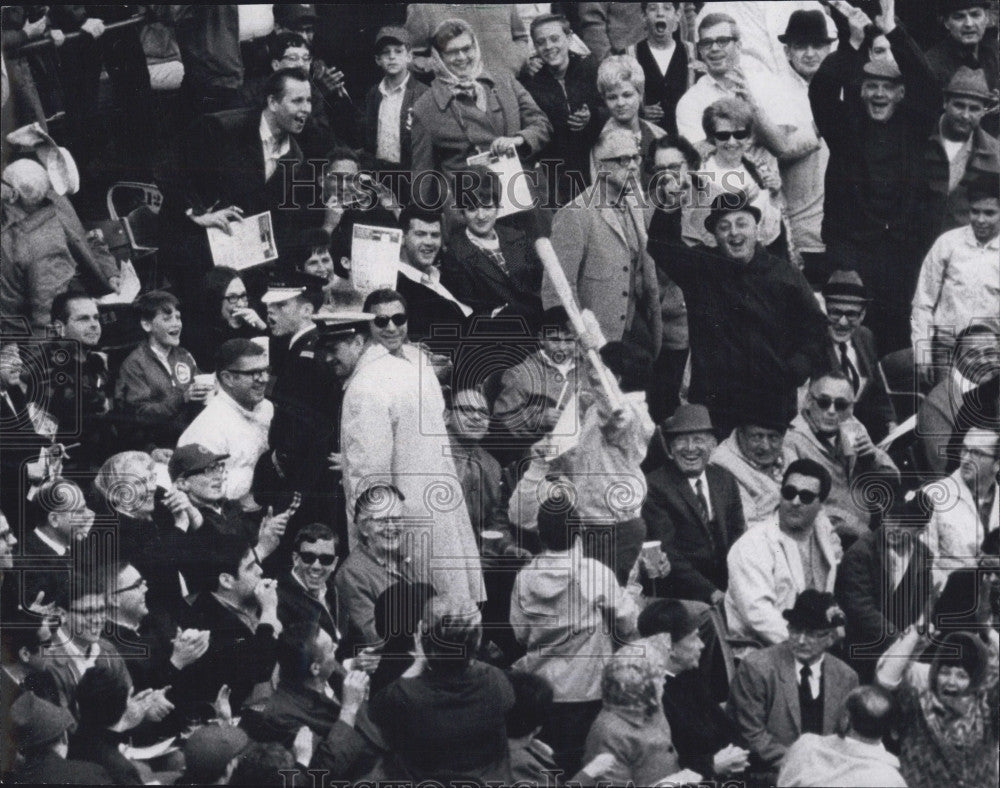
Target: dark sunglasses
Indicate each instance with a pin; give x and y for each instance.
(309, 558)
(839, 403)
(725, 136)
(398, 319)
(789, 493)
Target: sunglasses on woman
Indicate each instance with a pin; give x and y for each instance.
(382, 321)
(725, 136)
(790, 492)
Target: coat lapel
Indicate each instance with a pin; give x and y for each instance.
(789, 689)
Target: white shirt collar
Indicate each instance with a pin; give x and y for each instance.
(273, 146)
(489, 244)
(60, 549)
(970, 238)
(300, 333)
(398, 89)
(814, 667)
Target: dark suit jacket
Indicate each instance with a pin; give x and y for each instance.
(764, 700)
(873, 407)
(220, 162)
(697, 551)
(665, 89)
(236, 656)
(432, 316)
(475, 280)
(876, 612)
(414, 90)
(700, 728)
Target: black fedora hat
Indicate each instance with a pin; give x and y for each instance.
(730, 202)
(806, 27)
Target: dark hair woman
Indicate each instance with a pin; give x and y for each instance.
(224, 313)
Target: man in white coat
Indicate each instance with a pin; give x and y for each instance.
(969, 507)
(770, 565)
(393, 432)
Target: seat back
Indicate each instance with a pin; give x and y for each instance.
(125, 196)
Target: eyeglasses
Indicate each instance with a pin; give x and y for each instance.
(261, 374)
(215, 469)
(382, 321)
(307, 59)
(790, 492)
(981, 453)
(235, 298)
(623, 161)
(725, 136)
(140, 583)
(851, 314)
(823, 403)
(722, 41)
(309, 558)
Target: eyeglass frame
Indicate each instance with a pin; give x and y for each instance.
(705, 44)
(136, 585)
(316, 557)
(840, 404)
(264, 372)
(635, 158)
(739, 135)
(235, 298)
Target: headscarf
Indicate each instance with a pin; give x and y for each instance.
(460, 86)
(962, 721)
(29, 180)
(630, 684)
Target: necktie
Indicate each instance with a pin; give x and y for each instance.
(806, 674)
(702, 502)
(500, 261)
(849, 369)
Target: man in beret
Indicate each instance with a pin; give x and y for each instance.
(794, 687)
(875, 177)
(755, 327)
(41, 731)
(850, 347)
(884, 580)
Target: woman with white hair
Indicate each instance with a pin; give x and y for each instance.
(44, 249)
(469, 110)
(621, 83)
(150, 527)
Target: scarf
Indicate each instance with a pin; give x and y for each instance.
(467, 86)
(957, 727)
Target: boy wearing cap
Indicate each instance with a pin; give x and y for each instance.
(794, 687)
(389, 104)
(850, 347)
(960, 278)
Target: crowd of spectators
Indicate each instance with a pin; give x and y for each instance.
(445, 394)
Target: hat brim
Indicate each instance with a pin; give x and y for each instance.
(716, 215)
(987, 98)
(381, 42)
(815, 40)
(801, 623)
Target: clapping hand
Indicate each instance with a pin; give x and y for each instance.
(579, 119)
(223, 711)
(273, 526)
